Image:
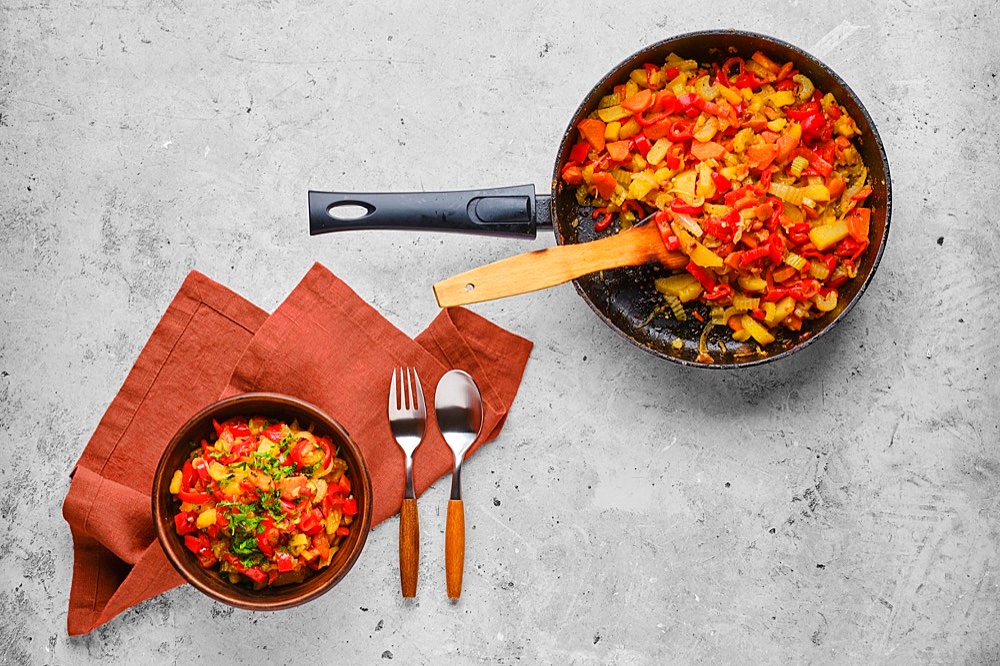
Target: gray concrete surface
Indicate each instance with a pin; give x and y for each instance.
(838, 507)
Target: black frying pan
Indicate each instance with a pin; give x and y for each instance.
(624, 298)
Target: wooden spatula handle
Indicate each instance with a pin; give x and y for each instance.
(541, 269)
(454, 548)
(409, 547)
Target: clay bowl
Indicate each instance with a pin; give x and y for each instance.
(210, 581)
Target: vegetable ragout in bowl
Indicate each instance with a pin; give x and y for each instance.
(262, 501)
(754, 170)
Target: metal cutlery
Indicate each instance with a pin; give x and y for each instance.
(407, 420)
(458, 408)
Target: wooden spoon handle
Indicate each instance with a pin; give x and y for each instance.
(454, 548)
(409, 547)
(541, 269)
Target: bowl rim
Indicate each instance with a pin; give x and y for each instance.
(236, 595)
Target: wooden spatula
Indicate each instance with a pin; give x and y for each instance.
(541, 269)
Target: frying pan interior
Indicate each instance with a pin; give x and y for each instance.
(625, 298)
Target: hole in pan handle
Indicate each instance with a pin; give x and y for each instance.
(513, 212)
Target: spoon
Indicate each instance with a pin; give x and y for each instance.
(458, 407)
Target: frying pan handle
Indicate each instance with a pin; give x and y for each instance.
(504, 211)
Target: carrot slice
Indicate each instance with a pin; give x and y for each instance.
(707, 151)
(592, 131)
(618, 150)
(786, 144)
(639, 102)
(859, 224)
(760, 156)
(605, 184)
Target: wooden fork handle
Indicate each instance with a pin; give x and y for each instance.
(454, 548)
(409, 547)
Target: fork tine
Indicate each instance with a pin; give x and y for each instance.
(418, 402)
(407, 390)
(393, 394)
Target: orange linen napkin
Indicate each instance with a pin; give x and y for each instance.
(324, 344)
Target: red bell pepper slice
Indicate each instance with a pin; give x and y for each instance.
(350, 507)
(722, 184)
(236, 428)
(201, 547)
(193, 497)
(184, 523)
(700, 274)
(605, 220)
(284, 561)
(268, 537)
(311, 523)
(256, 574)
(776, 294)
(687, 100)
(775, 248)
(579, 152)
(647, 122)
(747, 80)
(640, 143)
(662, 221)
(680, 130)
(798, 233)
(675, 155)
(678, 205)
(813, 124)
(722, 228)
(802, 111)
(749, 256)
(665, 102)
(719, 292)
(273, 432)
(193, 544)
(803, 290)
(200, 468)
(187, 475)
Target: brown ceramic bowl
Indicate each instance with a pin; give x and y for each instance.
(210, 581)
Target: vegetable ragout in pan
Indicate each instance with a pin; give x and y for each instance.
(753, 175)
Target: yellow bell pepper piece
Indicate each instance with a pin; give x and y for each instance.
(782, 98)
(697, 252)
(682, 285)
(756, 330)
(828, 235)
(751, 283)
(206, 518)
(175, 482)
(612, 130)
(217, 470)
(685, 183)
(732, 96)
(612, 113)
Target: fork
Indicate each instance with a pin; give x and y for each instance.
(407, 419)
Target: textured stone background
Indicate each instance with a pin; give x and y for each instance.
(838, 507)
